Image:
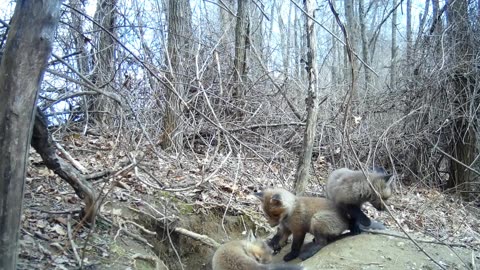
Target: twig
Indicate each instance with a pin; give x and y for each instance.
(454, 159)
(136, 237)
(142, 228)
(72, 243)
(200, 237)
(268, 126)
(71, 211)
(159, 264)
(97, 175)
(69, 157)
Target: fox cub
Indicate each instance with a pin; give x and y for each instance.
(349, 190)
(250, 254)
(301, 215)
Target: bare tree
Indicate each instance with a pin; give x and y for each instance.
(104, 68)
(178, 53)
(365, 51)
(241, 45)
(28, 48)
(464, 143)
(393, 67)
(305, 160)
(409, 32)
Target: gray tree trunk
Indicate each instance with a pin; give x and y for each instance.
(104, 70)
(409, 33)
(241, 44)
(351, 27)
(464, 145)
(179, 48)
(365, 53)
(305, 160)
(393, 68)
(27, 50)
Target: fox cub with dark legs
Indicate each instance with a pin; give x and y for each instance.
(298, 216)
(250, 254)
(350, 189)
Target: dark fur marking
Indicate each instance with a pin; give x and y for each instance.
(296, 247)
(274, 243)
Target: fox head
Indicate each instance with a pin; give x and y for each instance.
(258, 249)
(277, 204)
(383, 185)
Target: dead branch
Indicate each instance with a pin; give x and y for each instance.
(72, 243)
(43, 143)
(199, 237)
(69, 157)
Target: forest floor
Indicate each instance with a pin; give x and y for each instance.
(211, 196)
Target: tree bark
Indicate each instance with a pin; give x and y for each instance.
(27, 50)
(104, 71)
(179, 46)
(351, 27)
(409, 33)
(305, 160)
(43, 143)
(393, 67)
(241, 45)
(464, 141)
(365, 52)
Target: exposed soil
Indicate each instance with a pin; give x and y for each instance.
(135, 230)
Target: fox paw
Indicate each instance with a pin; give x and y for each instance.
(290, 256)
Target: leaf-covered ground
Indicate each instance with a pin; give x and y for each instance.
(209, 195)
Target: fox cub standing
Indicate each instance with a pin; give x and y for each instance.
(251, 254)
(299, 215)
(349, 190)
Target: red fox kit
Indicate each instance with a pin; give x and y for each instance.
(298, 216)
(251, 254)
(349, 190)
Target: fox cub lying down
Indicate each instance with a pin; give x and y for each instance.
(298, 216)
(250, 254)
(350, 189)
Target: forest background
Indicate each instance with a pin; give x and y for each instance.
(205, 101)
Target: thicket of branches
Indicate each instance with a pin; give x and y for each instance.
(198, 77)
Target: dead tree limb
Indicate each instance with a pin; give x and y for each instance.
(43, 143)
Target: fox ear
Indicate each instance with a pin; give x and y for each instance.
(276, 199)
(259, 195)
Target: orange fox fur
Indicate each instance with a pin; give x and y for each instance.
(251, 254)
(300, 215)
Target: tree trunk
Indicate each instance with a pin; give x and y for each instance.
(305, 160)
(241, 44)
(409, 33)
(27, 50)
(179, 46)
(104, 72)
(464, 143)
(435, 10)
(365, 53)
(43, 143)
(351, 27)
(393, 68)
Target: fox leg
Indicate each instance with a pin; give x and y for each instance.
(297, 243)
(280, 239)
(311, 249)
(357, 218)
